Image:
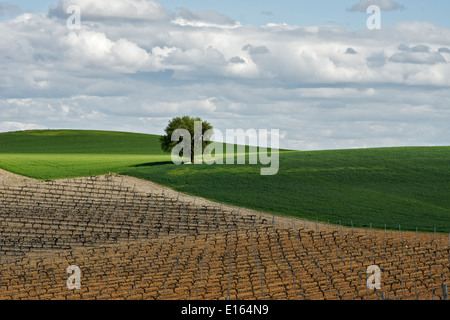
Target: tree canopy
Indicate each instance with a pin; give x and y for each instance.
(186, 123)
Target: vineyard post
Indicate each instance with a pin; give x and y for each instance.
(131, 292)
(415, 288)
(40, 272)
(430, 274)
(351, 261)
(164, 288)
(229, 267)
(203, 259)
(53, 277)
(444, 289)
(342, 259)
(26, 282)
(17, 272)
(251, 235)
(329, 280)
(217, 218)
(98, 276)
(198, 218)
(293, 281)
(435, 256)
(135, 284)
(257, 265)
(319, 269)
(173, 268)
(118, 274)
(415, 264)
(21, 232)
(260, 278)
(196, 284)
(303, 291)
(401, 279)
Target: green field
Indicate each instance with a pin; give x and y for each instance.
(393, 186)
(53, 154)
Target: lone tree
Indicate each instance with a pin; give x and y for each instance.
(186, 123)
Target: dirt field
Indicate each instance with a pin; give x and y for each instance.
(133, 239)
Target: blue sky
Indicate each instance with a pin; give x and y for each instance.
(302, 12)
(295, 12)
(316, 72)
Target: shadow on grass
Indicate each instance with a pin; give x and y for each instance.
(152, 164)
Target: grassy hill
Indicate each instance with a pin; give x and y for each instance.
(52, 154)
(393, 186)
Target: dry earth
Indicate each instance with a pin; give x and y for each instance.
(134, 239)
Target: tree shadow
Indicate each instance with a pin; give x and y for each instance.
(152, 164)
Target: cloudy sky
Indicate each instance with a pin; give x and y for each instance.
(311, 69)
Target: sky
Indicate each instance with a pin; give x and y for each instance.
(312, 69)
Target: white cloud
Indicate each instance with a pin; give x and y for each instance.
(8, 126)
(203, 18)
(95, 49)
(419, 54)
(306, 81)
(112, 10)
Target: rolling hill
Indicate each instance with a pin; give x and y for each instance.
(405, 188)
(54, 154)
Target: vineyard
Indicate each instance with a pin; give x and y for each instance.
(133, 240)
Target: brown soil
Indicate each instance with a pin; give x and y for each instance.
(134, 239)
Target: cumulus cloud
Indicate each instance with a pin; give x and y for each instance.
(112, 10)
(203, 18)
(385, 5)
(419, 54)
(324, 86)
(95, 49)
